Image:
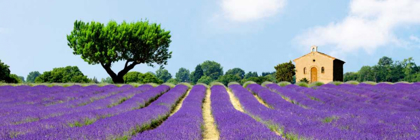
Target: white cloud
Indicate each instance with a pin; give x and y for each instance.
(249, 10)
(415, 38)
(370, 24)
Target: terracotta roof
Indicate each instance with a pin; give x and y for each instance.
(321, 54)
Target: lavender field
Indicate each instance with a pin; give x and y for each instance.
(363, 111)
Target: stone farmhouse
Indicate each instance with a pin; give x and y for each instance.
(317, 66)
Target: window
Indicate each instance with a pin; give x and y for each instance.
(322, 70)
(304, 70)
(313, 60)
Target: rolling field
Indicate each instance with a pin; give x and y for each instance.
(382, 111)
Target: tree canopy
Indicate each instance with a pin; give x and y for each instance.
(163, 74)
(385, 61)
(212, 69)
(196, 74)
(250, 75)
(387, 70)
(236, 71)
(205, 79)
(13, 78)
(132, 77)
(285, 72)
(138, 77)
(226, 79)
(69, 74)
(6, 76)
(4, 72)
(31, 76)
(135, 43)
(183, 75)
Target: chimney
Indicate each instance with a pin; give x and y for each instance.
(314, 48)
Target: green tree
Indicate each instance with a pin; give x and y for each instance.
(4, 72)
(205, 79)
(385, 61)
(387, 70)
(183, 75)
(63, 75)
(236, 71)
(163, 74)
(410, 70)
(304, 80)
(196, 74)
(212, 69)
(31, 76)
(107, 80)
(268, 73)
(135, 43)
(173, 81)
(271, 78)
(149, 78)
(351, 76)
(250, 75)
(94, 80)
(132, 77)
(285, 71)
(226, 79)
(365, 73)
(294, 79)
(22, 79)
(13, 78)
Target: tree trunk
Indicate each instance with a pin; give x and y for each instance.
(118, 79)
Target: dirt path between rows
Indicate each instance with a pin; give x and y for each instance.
(210, 129)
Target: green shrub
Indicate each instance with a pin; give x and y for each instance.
(233, 83)
(336, 83)
(352, 82)
(315, 84)
(203, 84)
(169, 84)
(172, 81)
(247, 83)
(205, 79)
(216, 83)
(304, 80)
(302, 84)
(153, 84)
(370, 82)
(284, 83)
(387, 83)
(265, 83)
(189, 85)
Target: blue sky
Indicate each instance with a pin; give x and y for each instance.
(254, 35)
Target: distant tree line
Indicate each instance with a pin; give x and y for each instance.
(69, 74)
(387, 70)
(206, 72)
(7, 77)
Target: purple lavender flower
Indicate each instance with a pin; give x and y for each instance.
(185, 123)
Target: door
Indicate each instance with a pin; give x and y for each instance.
(314, 75)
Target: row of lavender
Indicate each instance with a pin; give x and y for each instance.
(94, 106)
(345, 112)
(123, 125)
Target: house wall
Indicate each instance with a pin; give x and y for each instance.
(320, 61)
(338, 70)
